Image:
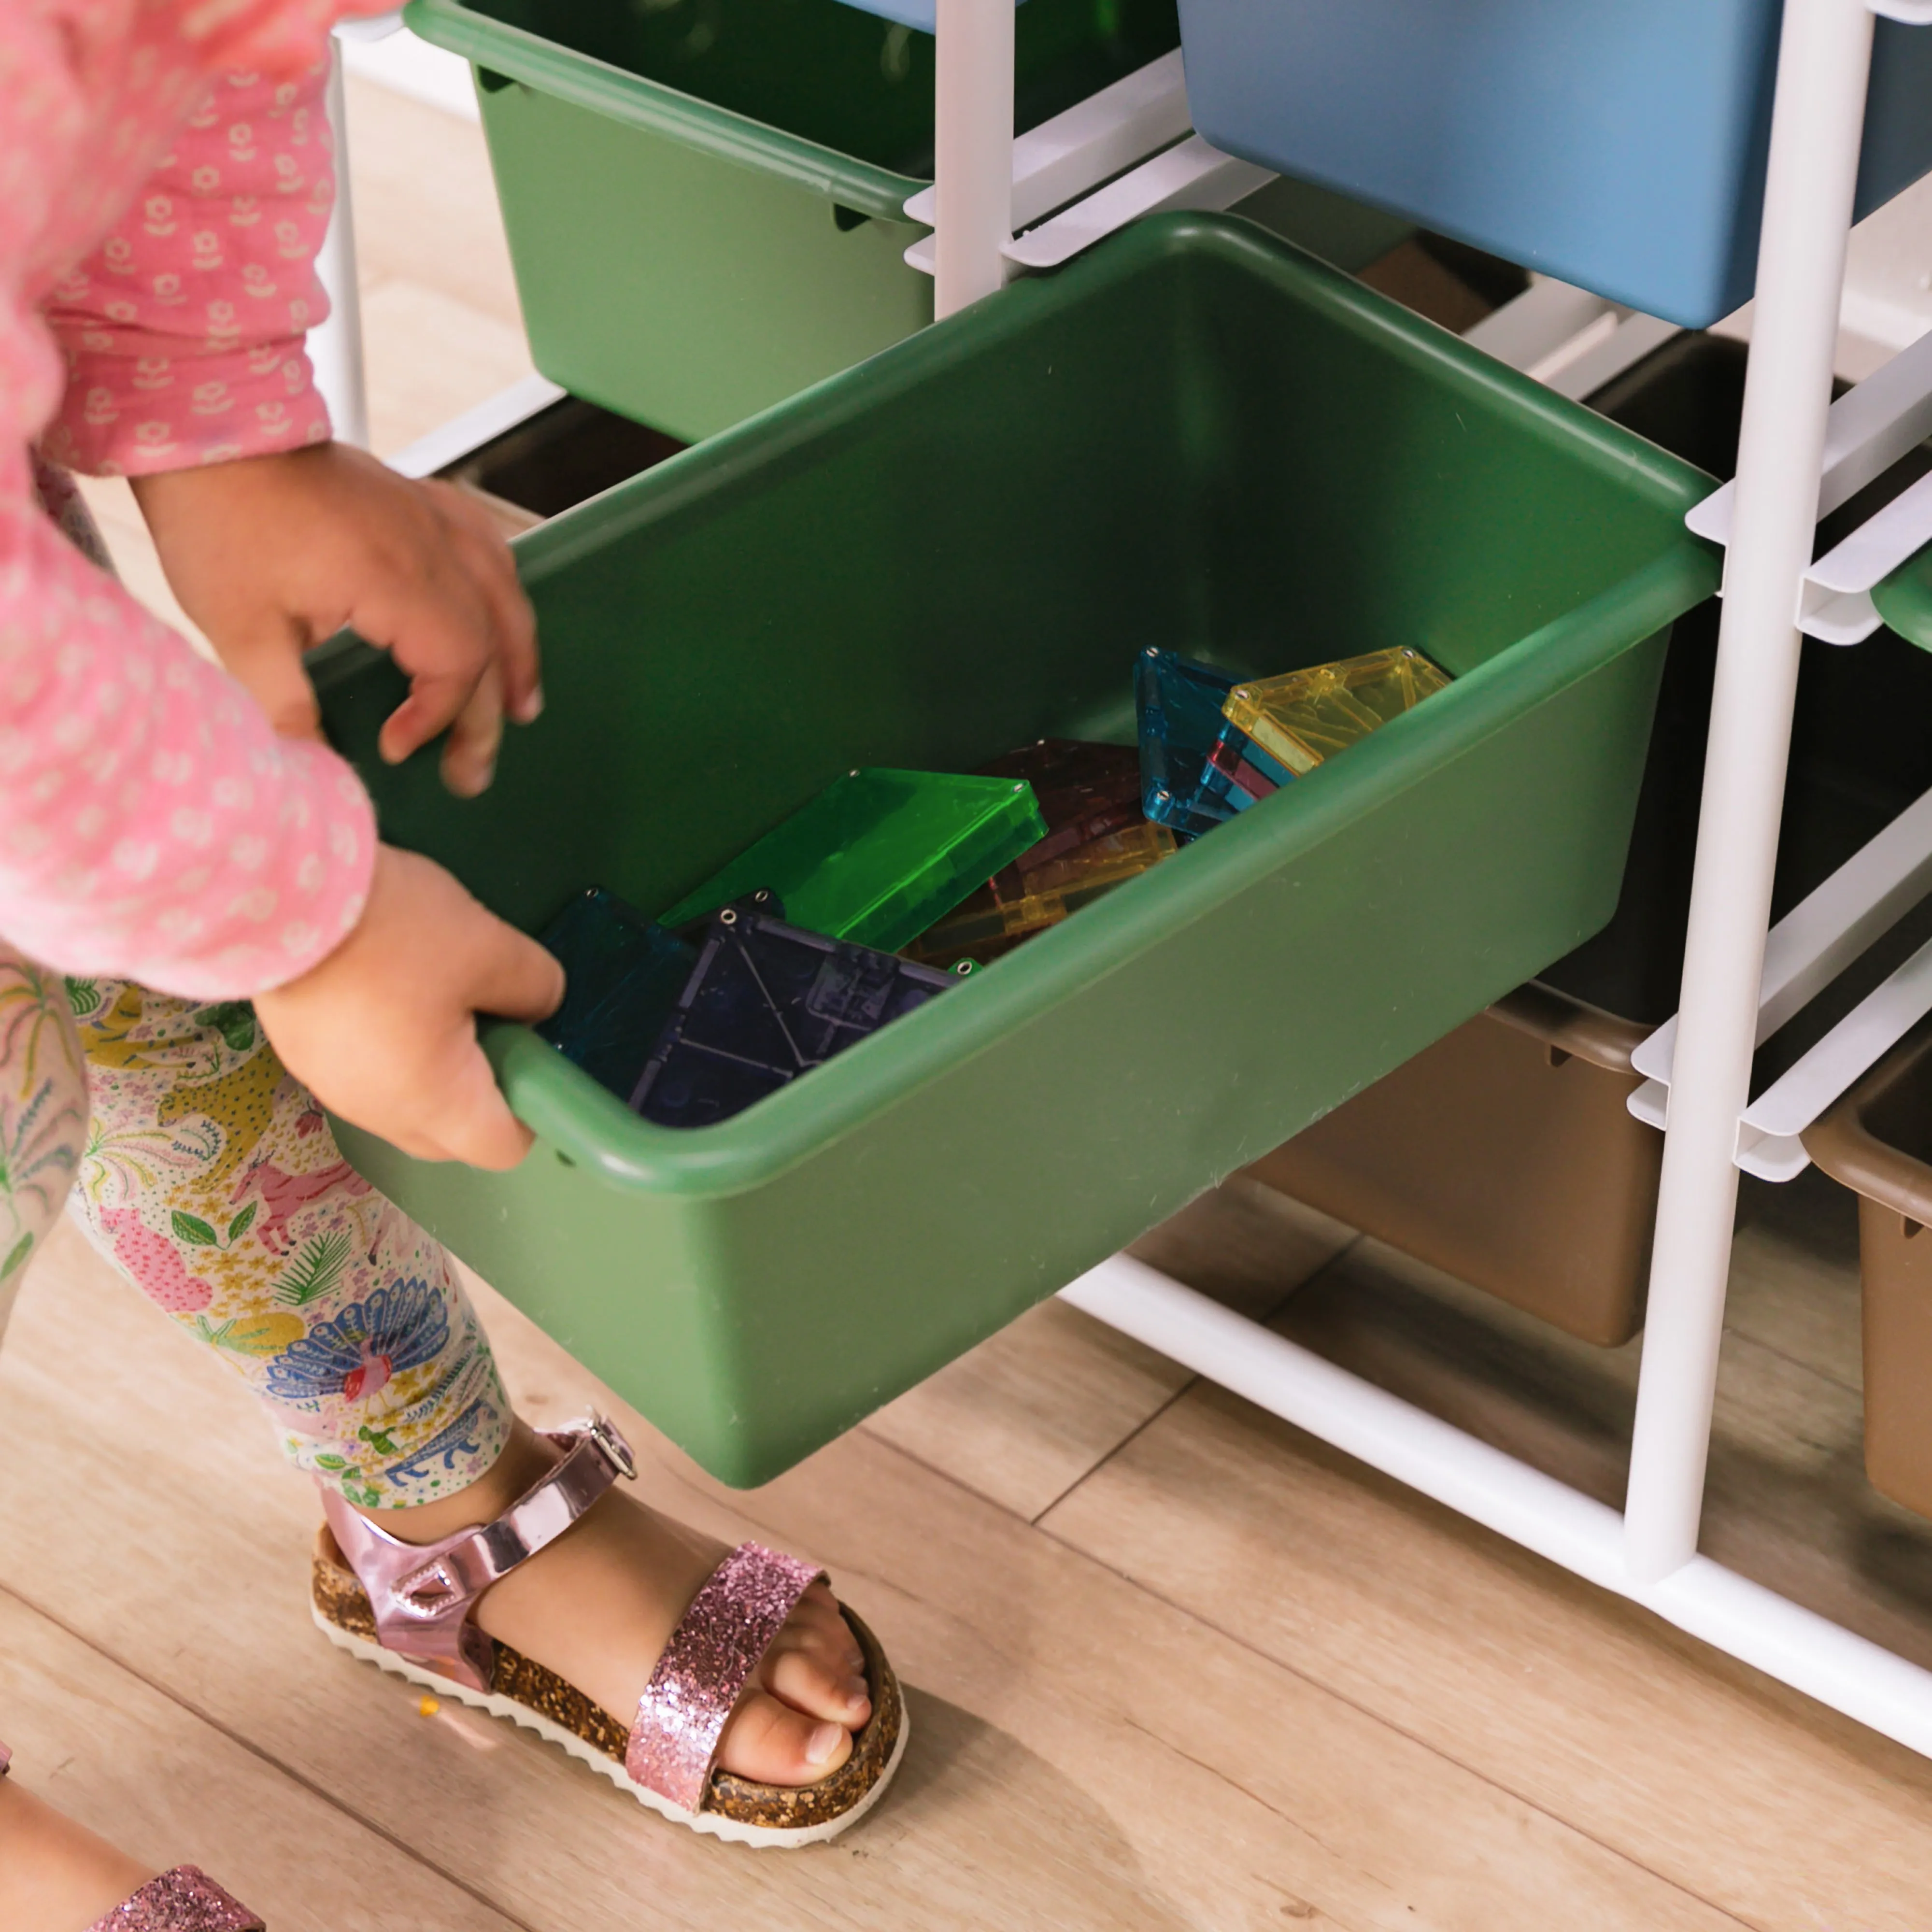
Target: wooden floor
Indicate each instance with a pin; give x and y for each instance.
(1171, 1664)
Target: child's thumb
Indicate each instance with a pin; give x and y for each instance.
(516, 979)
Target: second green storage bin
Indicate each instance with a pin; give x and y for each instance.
(705, 199)
(1195, 437)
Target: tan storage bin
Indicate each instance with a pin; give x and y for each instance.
(1505, 1155)
(1878, 1141)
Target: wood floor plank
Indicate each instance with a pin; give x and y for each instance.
(1087, 1756)
(429, 358)
(426, 208)
(171, 1789)
(1027, 1413)
(1774, 1808)
(1786, 1504)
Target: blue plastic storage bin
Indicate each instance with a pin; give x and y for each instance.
(1618, 144)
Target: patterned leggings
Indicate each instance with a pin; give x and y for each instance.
(210, 1178)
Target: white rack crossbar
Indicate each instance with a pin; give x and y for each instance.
(1820, 936)
(1869, 428)
(1792, 1644)
(1193, 174)
(1807, 949)
(1100, 141)
(496, 415)
(1567, 338)
(1080, 149)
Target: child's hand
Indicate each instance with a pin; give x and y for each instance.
(383, 1031)
(271, 554)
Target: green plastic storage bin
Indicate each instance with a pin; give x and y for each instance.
(704, 199)
(1196, 437)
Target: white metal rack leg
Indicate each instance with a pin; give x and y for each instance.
(335, 348)
(973, 157)
(1649, 1553)
(1823, 63)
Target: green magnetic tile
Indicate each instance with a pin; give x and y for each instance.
(879, 856)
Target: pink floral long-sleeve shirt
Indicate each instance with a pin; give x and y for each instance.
(165, 183)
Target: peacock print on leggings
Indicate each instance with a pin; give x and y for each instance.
(210, 1178)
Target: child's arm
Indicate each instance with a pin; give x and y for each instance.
(183, 331)
(187, 372)
(152, 826)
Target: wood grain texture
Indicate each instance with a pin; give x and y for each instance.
(1028, 1413)
(173, 1789)
(1084, 1755)
(1762, 1802)
(425, 204)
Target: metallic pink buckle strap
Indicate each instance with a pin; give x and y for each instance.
(706, 1666)
(422, 1593)
(185, 1899)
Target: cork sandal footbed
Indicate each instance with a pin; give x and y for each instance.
(526, 1693)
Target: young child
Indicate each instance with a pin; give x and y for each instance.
(176, 843)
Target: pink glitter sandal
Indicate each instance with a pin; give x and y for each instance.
(185, 1899)
(406, 1607)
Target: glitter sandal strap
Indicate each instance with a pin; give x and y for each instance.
(723, 1636)
(422, 1593)
(185, 1899)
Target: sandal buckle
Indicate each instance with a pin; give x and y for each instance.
(617, 1451)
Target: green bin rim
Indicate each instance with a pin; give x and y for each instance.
(629, 97)
(590, 1126)
(1904, 599)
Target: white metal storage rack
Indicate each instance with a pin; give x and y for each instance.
(1799, 458)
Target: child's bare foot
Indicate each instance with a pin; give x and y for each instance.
(56, 1875)
(598, 1605)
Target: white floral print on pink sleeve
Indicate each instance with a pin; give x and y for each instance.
(183, 330)
(151, 826)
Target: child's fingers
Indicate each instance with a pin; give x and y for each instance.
(494, 570)
(473, 1122)
(515, 978)
(476, 733)
(270, 669)
(445, 637)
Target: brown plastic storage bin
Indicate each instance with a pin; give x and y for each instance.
(1878, 1141)
(1504, 1154)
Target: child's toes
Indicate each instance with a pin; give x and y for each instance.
(819, 1618)
(771, 1743)
(818, 1684)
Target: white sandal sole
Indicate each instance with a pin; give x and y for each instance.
(713, 1823)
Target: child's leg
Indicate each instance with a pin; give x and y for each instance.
(214, 1182)
(52, 1873)
(211, 1180)
(42, 1113)
(55, 1873)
